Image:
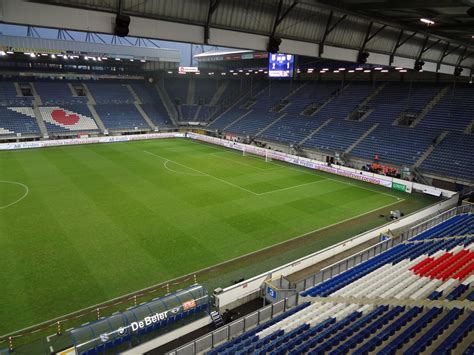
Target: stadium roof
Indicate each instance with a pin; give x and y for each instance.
(452, 18)
(55, 46)
(307, 27)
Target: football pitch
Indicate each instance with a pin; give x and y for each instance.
(80, 225)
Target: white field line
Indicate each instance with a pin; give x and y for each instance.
(281, 166)
(304, 170)
(165, 164)
(27, 190)
(252, 252)
(205, 174)
(291, 187)
(300, 169)
(218, 155)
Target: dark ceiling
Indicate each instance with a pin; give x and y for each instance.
(453, 18)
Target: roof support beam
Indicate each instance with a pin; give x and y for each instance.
(422, 50)
(370, 36)
(462, 57)
(281, 16)
(400, 43)
(213, 4)
(329, 28)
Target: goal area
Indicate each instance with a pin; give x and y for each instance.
(258, 156)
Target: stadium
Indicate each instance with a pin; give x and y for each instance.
(236, 177)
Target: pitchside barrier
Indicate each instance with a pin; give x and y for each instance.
(250, 289)
(389, 182)
(236, 328)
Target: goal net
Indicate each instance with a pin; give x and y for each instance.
(266, 157)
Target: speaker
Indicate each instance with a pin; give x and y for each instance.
(457, 71)
(273, 45)
(121, 25)
(362, 57)
(419, 65)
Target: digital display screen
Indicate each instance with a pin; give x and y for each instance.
(280, 65)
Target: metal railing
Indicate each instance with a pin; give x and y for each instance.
(236, 328)
(248, 322)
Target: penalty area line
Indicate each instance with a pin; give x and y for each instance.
(204, 174)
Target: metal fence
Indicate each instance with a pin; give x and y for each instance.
(370, 252)
(236, 328)
(248, 322)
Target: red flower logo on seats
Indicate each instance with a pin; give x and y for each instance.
(62, 117)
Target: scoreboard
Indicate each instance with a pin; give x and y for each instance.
(280, 65)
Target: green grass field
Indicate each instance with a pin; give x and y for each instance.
(83, 224)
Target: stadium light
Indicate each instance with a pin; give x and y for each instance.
(359, 69)
(234, 73)
(32, 55)
(142, 60)
(403, 71)
(170, 72)
(342, 69)
(384, 71)
(322, 71)
(351, 71)
(398, 68)
(131, 60)
(427, 21)
(241, 71)
(260, 70)
(367, 71)
(223, 73)
(86, 58)
(2, 53)
(53, 56)
(104, 58)
(231, 71)
(378, 68)
(265, 72)
(336, 71)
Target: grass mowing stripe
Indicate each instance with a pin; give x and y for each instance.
(203, 173)
(101, 221)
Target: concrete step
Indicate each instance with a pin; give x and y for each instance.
(220, 90)
(134, 94)
(361, 138)
(196, 115)
(270, 124)
(398, 332)
(437, 98)
(430, 349)
(169, 106)
(145, 116)
(90, 98)
(96, 117)
(315, 131)
(430, 149)
(40, 122)
(73, 91)
(422, 332)
(38, 100)
(18, 89)
(237, 120)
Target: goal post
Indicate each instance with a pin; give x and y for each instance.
(265, 157)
